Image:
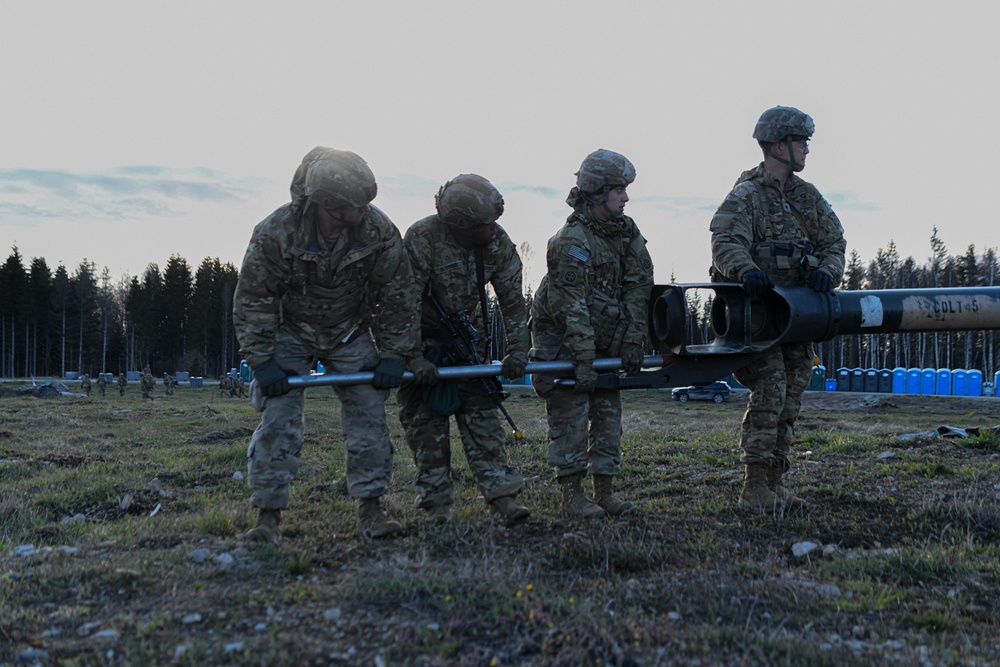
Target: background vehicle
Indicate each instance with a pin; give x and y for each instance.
(716, 392)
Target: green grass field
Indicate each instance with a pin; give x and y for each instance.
(119, 517)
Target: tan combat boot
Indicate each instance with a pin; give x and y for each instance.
(756, 496)
(774, 473)
(574, 502)
(508, 509)
(267, 527)
(605, 497)
(372, 521)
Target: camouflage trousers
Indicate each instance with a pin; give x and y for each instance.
(585, 430)
(273, 454)
(776, 382)
(482, 433)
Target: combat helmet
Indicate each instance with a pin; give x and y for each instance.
(468, 200)
(334, 179)
(779, 122)
(604, 169)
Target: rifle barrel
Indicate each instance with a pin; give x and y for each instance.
(608, 364)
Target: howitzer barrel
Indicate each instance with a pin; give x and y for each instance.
(899, 310)
(609, 364)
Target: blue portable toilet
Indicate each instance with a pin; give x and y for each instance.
(818, 376)
(996, 379)
(898, 380)
(959, 380)
(871, 380)
(884, 381)
(245, 370)
(943, 386)
(857, 379)
(974, 383)
(320, 368)
(927, 380)
(913, 381)
(843, 379)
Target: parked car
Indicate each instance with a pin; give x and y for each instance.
(716, 391)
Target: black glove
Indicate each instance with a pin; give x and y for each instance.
(271, 378)
(424, 372)
(820, 281)
(514, 365)
(632, 356)
(586, 377)
(755, 282)
(389, 373)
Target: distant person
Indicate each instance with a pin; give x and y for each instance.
(455, 254)
(776, 229)
(592, 302)
(321, 275)
(147, 383)
(122, 383)
(85, 384)
(102, 383)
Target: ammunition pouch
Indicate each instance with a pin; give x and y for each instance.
(608, 322)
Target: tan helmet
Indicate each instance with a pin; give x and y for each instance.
(334, 179)
(604, 169)
(468, 200)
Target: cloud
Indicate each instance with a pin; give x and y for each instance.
(681, 205)
(120, 193)
(408, 185)
(842, 200)
(543, 190)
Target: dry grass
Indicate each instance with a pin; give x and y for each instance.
(132, 511)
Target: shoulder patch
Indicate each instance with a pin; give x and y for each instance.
(569, 277)
(729, 206)
(576, 252)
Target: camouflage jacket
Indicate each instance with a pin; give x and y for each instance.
(324, 296)
(785, 234)
(594, 297)
(449, 269)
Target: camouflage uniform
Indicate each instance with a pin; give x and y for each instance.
(147, 383)
(449, 270)
(788, 234)
(591, 303)
(299, 300)
(102, 383)
(122, 383)
(85, 384)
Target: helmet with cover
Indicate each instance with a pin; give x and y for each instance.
(780, 122)
(604, 169)
(334, 179)
(469, 200)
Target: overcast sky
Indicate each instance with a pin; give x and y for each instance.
(131, 131)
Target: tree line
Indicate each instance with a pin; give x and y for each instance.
(54, 322)
(177, 319)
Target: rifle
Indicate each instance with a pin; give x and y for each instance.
(460, 339)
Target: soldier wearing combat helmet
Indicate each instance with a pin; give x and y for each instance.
(776, 229)
(321, 274)
(591, 303)
(454, 254)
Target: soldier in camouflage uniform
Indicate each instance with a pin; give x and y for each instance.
(776, 229)
(122, 383)
(321, 275)
(592, 302)
(147, 383)
(85, 384)
(451, 252)
(102, 383)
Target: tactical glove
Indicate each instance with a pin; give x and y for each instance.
(424, 372)
(271, 378)
(820, 281)
(388, 373)
(632, 356)
(755, 282)
(586, 377)
(514, 365)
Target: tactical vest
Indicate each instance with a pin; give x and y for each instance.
(785, 251)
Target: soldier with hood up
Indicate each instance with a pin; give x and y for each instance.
(325, 278)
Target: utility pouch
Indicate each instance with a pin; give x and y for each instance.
(608, 323)
(442, 397)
